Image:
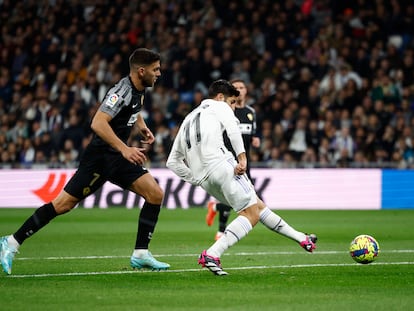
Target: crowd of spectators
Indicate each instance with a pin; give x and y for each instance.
(332, 82)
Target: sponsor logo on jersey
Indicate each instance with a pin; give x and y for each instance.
(112, 100)
(132, 119)
(245, 128)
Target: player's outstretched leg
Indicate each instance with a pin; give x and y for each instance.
(275, 223)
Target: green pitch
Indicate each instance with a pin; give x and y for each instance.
(80, 261)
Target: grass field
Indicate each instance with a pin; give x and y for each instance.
(80, 261)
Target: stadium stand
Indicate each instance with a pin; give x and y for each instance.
(332, 81)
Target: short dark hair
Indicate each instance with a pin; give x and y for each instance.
(143, 57)
(224, 87)
(237, 80)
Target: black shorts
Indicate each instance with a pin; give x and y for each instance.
(98, 166)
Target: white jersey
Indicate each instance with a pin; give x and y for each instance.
(199, 147)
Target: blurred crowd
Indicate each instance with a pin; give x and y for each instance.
(332, 82)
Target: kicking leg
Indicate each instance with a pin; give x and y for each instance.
(275, 223)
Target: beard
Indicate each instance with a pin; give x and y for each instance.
(147, 81)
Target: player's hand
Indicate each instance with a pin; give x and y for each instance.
(240, 168)
(135, 155)
(148, 137)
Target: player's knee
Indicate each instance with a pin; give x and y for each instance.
(159, 196)
(64, 202)
(155, 196)
(260, 205)
(254, 219)
(252, 214)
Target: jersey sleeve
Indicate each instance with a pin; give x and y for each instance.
(176, 160)
(231, 125)
(111, 104)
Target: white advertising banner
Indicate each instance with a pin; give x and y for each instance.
(279, 188)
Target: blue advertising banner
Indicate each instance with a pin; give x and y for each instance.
(397, 189)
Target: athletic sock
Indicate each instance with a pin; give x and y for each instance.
(235, 231)
(139, 252)
(275, 223)
(11, 240)
(224, 214)
(146, 224)
(40, 218)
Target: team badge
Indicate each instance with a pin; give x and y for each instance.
(112, 100)
(250, 116)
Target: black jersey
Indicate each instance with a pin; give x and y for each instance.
(247, 118)
(123, 102)
(100, 162)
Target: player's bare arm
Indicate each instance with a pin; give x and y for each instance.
(100, 125)
(144, 131)
(241, 166)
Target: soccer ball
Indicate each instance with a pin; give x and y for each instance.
(364, 249)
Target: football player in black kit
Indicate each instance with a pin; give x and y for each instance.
(247, 118)
(109, 158)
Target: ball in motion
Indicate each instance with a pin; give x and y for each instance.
(364, 249)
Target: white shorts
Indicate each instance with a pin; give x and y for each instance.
(236, 191)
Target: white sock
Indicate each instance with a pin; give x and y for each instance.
(139, 252)
(275, 223)
(12, 242)
(235, 231)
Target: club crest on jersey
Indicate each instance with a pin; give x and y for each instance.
(112, 100)
(250, 116)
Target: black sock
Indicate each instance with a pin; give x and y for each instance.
(224, 214)
(34, 223)
(146, 224)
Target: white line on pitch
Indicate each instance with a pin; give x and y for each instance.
(192, 255)
(199, 270)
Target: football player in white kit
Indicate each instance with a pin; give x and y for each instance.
(200, 157)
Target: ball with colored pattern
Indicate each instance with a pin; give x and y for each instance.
(364, 249)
